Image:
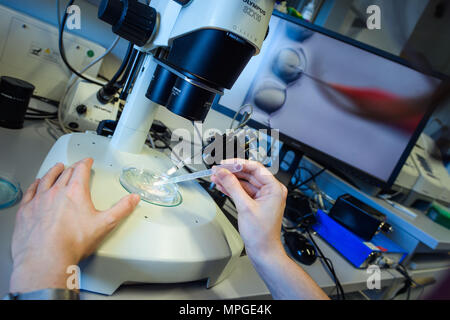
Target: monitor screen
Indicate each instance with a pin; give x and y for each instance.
(309, 85)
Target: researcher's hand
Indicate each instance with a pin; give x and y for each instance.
(57, 226)
(260, 200)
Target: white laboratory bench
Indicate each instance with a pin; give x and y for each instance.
(23, 151)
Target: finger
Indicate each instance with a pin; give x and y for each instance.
(49, 179)
(221, 188)
(64, 178)
(111, 217)
(233, 187)
(255, 169)
(31, 191)
(249, 188)
(248, 177)
(82, 173)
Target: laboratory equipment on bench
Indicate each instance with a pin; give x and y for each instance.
(193, 51)
(423, 178)
(29, 51)
(360, 253)
(83, 111)
(15, 96)
(238, 140)
(360, 218)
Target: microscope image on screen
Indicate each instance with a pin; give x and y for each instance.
(284, 67)
(287, 67)
(349, 103)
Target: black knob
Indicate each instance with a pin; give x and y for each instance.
(73, 125)
(130, 19)
(81, 109)
(183, 2)
(110, 11)
(386, 227)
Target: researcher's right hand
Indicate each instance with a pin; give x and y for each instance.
(260, 200)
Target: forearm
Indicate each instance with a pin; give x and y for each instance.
(284, 278)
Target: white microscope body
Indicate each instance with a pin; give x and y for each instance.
(193, 241)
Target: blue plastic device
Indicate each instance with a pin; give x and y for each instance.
(358, 252)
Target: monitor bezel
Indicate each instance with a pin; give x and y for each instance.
(323, 157)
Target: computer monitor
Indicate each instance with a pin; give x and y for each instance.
(290, 84)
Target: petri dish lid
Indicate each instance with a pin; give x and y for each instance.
(10, 191)
(141, 181)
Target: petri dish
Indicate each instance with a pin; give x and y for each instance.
(141, 181)
(10, 191)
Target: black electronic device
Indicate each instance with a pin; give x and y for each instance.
(298, 211)
(358, 217)
(15, 95)
(300, 248)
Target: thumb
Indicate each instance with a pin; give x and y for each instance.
(120, 210)
(232, 186)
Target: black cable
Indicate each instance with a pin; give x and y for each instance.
(46, 100)
(40, 112)
(333, 272)
(298, 176)
(114, 80)
(29, 116)
(408, 283)
(157, 138)
(109, 90)
(130, 65)
(134, 66)
(327, 261)
(312, 178)
(62, 49)
(103, 77)
(32, 117)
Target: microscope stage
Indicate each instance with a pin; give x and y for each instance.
(188, 242)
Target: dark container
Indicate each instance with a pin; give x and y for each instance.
(15, 95)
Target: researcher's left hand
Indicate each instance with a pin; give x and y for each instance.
(57, 226)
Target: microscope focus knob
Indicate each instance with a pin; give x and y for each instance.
(130, 19)
(81, 109)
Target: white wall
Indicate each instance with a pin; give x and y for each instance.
(91, 27)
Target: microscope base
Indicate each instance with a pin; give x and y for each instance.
(190, 242)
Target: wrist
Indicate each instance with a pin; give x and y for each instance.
(266, 254)
(31, 275)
